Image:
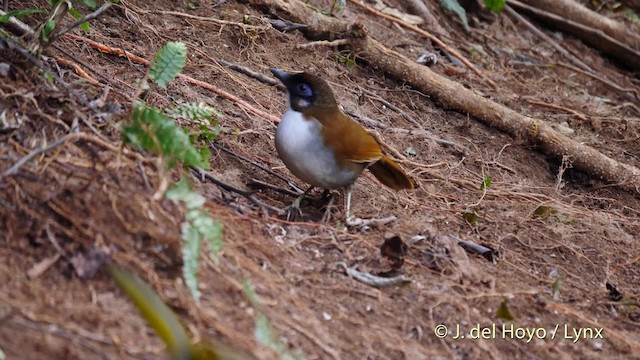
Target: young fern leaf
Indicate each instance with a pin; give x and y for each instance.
(193, 112)
(198, 226)
(190, 255)
(168, 63)
(152, 130)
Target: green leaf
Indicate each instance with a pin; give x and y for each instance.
(2, 355)
(454, 6)
(544, 211)
(495, 5)
(48, 77)
(85, 25)
(47, 30)
(503, 311)
(486, 182)
(159, 316)
(470, 217)
(633, 17)
(168, 63)
(18, 14)
(348, 60)
(90, 4)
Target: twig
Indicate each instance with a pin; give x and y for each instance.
(397, 130)
(231, 97)
(475, 248)
(72, 137)
(393, 107)
(144, 175)
(250, 73)
(373, 280)
(188, 79)
(18, 27)
(109, 50)
(13, 169)
(247, 194)
(100, 74)
(574, 113)
(79, 71)
(272, 81)
(78, 334)
(334, 43)
(209, 19)
(38, 43)
(616, 45)
(36, 61)
(611, 84)
(54, 242)
(546, 38)
(429, 36)
(263, 184)
(259, 166)
(83, 19)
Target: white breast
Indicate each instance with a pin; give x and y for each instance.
(302, 150)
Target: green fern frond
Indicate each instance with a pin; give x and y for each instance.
(152, 130)
(197, 227)
(168, 63)
(193, 112)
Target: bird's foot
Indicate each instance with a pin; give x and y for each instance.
(294, 210)
(366, 224)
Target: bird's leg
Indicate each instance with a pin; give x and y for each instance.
(348, 189)
(296, 204)
(327, 210)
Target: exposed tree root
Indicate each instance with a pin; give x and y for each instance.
(592, 28)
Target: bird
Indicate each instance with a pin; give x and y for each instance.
(324, 147)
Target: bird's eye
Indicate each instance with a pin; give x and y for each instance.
(304, 90)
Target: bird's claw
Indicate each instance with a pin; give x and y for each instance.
(293, 208)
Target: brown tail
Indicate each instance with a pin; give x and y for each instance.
(391, 174)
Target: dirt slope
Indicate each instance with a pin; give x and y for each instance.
(551, 268)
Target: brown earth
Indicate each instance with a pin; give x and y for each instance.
(552, 267)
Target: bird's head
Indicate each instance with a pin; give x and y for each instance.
(307, 93)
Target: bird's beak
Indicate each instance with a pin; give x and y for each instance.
(281, 74)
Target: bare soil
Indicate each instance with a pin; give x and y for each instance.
(574, 266)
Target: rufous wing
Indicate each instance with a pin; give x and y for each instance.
(349, 140)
